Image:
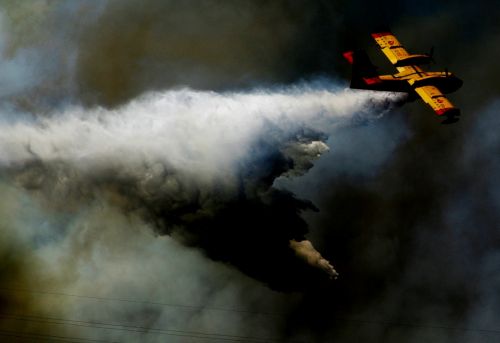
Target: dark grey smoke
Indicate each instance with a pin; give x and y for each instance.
(423, 231)
(196, 165)
(409, 216)
(202, 44)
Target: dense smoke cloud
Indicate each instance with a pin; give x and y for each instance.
(197, 165)
(407, 208)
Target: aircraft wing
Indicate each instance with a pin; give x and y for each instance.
(396, 53)
(439, 103)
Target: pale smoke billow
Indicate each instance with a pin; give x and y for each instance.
(305, 250)
(180, 159)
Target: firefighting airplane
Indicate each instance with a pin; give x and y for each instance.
(430, 86)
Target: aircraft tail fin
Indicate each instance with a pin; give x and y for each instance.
(364, 73)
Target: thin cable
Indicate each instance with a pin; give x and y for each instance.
(187, 307)
(138, 329)
(201, 308)
(440, 327)
(19, 334)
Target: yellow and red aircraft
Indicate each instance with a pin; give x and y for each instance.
(411, 79)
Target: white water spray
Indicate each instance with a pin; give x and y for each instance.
(186, 129)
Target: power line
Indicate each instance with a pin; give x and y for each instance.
(186, 307)
(202, 308)
(48, 337)
(416, 325)
(138, 329)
